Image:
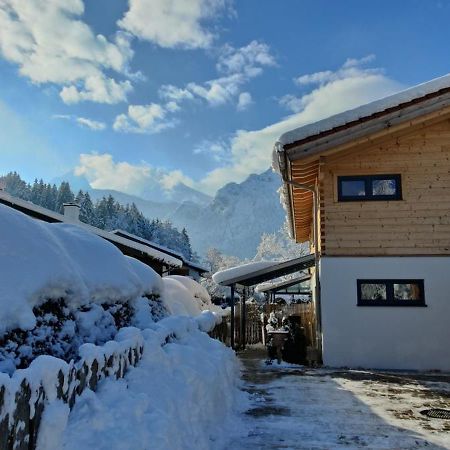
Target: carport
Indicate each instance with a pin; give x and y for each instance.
(245, 276)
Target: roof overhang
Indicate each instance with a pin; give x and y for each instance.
(285, 285)
(271, 272)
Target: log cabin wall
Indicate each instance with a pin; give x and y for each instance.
(419, 224)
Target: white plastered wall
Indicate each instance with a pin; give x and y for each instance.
(415, 338)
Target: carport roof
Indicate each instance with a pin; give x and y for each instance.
(252, 274)
(275, 287)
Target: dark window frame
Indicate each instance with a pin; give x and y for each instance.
(390, 300)
(368, 183)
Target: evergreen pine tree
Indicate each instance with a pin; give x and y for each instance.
(65, 195)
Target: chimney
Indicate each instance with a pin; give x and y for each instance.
(72, 211)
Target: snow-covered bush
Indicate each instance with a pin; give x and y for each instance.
(63, 286)
(199, 294)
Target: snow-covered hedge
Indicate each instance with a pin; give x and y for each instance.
(41, 261)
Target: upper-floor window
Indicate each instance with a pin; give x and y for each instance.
(391, 293)
(369, 187)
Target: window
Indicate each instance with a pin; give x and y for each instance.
(391, 293)
(369, 187)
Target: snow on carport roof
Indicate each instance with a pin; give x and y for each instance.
(255, 273)
(275, 286)
(364, 111)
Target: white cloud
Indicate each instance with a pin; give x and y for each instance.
(82, 121)
(351, 67)
(174, 93)
(51, 44)
(218, 150)
(173, 23)
(91, 124)
(219, 91)
(244, 101)
(103, 172)
(247, 60)
(237, 67)
(313, 78)
(144, 119)
(97, 89)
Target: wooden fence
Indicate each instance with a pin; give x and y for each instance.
(22, 401)
(305, 311)
(255, 329)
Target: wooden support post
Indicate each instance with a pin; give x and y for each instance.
(243, 318)
(232, 317)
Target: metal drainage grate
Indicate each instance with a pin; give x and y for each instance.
(436, 413)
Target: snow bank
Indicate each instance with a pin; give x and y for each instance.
(41, 261)
(177, 298)
(200, 295)
(244, 269)
(182, 395)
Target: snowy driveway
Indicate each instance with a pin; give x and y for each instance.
(293, 408)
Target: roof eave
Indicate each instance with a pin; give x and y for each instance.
(367, 126)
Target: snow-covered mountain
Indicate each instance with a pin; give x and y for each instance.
(233, 221)
(236, 218)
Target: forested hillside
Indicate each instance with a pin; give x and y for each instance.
(106, 213)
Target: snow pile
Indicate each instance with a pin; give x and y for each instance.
(199, 294)
(177, 299)
(182, 395)
(41, 261)
(241, 271)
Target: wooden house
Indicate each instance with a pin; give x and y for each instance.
(370, 190)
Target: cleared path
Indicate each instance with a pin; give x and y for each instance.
(295, 408)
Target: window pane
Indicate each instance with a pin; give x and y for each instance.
(384, 187)
(372, 291)
(407, 291)
(351, 188)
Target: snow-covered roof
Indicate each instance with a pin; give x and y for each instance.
(162, 248)
(239, 271)
(51, 216)
(196, 266)
(278, 285)
(365, 111)
(258, 272)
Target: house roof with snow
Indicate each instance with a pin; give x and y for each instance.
(297, 153)
(259, 272)
(149, 255)
(195, 266)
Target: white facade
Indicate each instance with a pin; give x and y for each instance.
(385, 337)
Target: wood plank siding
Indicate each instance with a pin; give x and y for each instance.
(419, 224)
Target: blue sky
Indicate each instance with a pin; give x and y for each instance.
(132, 93)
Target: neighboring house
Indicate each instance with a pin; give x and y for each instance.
(378, 177)
(188, 268)
(161, 261)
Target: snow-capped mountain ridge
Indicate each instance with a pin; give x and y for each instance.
(233, 221)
